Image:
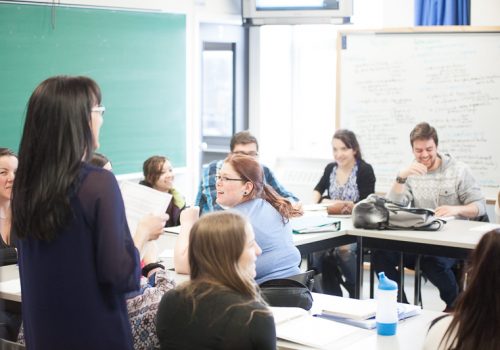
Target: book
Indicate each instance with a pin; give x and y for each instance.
(404, 311)
(351, 308)
(312, 224)
(297, 325)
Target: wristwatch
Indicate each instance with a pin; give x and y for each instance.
(400, 180)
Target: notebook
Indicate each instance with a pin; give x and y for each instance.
(300, 327)
(312, 224)
(404, 311)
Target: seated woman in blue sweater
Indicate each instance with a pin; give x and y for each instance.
(240, 186)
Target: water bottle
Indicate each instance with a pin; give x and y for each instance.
(387, 307)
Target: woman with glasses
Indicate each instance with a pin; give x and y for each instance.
(240, 186)
(220, 307)
(159, 174)
(76, 256)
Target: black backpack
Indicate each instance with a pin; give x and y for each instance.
(376, 212)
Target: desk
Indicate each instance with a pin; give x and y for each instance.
(410, 334)
(455, 240)
(308, 243)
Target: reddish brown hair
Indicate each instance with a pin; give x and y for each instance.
(251, 170)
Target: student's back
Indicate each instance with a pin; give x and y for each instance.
(216, 323)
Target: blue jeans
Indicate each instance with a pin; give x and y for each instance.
(437, 269)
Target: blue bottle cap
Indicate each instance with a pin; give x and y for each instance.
(386, 284)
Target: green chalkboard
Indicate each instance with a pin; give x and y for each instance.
(137, 58)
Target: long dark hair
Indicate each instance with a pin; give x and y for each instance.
(250, 170)
(57, 137)
(349, 139)
(477, 313)
(152, 168)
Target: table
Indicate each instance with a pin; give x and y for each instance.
(410, 334)
(455, 240)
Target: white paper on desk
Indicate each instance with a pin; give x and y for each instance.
(313, 331)
(282, 314)
(485, 227)
(315, 207)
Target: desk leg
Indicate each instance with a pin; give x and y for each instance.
(359, 268)
(401, 277)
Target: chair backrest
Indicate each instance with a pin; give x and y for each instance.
(8, 345)
(306, 278)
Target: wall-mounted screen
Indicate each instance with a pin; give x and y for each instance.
(258, 12)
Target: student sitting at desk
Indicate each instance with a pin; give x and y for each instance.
(437, 181)
(76, 256)
(346, 181)
(10, 316)
(475, 324)
(240, 186)
(220, 307)
(159, 174)
(101, 161)
(8, 167)
(241, 143)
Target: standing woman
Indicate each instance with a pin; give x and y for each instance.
(76, 256)
(240, 185)
(220, 307)
(346, 181)
(159, 174)
(8, 166)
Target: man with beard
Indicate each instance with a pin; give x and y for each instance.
(436, 181)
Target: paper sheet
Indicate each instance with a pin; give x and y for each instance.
(140, 201)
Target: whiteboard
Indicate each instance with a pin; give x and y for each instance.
(389, 81)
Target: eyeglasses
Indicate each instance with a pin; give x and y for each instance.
(225, 178)
(99, 109)
(251, 153)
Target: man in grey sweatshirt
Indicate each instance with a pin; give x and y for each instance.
(435, 181)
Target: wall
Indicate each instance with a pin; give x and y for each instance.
(485, 12)
(197, 11)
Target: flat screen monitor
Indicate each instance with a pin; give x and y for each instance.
(258, 12)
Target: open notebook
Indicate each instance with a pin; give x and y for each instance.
(296, 325)
(361, 313)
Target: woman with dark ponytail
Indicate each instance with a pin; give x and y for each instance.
(240, 186)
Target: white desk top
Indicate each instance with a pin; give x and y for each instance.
(456, 233)
(410, 334)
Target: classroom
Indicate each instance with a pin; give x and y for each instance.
(180, 78)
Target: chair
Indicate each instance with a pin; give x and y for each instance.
(8, 345)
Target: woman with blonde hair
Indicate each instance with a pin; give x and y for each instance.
(220, 307)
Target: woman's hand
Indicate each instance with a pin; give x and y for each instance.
(149, 228)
